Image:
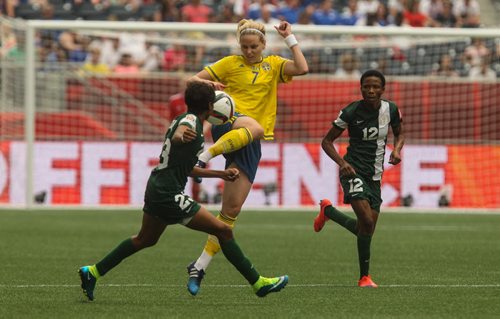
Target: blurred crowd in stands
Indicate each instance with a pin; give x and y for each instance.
(417, 13)
(130, 53)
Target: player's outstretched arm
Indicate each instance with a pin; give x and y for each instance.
(204, 76)
(298, 65)
(230, 174)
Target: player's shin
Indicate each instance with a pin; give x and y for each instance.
(342, 219)
(122, 251)
(235, 256)
(212, 246)
(364, 243)
(227, 143)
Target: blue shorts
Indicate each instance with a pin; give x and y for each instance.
(247, 159)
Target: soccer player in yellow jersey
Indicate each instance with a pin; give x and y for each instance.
(252, 80)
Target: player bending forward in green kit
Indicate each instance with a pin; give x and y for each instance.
(367, 122)
(166, 204)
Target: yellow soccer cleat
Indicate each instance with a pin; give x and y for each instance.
(265, 286)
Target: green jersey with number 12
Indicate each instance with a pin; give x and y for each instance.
(368, 129)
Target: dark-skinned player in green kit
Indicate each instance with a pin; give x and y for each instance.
(166, 204)
(367, 121)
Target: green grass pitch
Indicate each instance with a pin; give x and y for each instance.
(426, 265)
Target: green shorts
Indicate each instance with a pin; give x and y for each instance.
(170, 208)
(358, 187)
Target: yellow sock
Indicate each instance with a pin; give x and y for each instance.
(212, 246)
(231, 141)
(93, 270)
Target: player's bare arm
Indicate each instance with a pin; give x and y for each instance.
(399, 141)
(230, 174)
(297, 66)
(327, 144)
(183, 134)
(204, 76)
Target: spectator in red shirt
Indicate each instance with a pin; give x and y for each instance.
(126, 65)
(197, 12)
(413, 17)
(174, 58)
(176, 103)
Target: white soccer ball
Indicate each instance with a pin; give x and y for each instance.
(223, 108)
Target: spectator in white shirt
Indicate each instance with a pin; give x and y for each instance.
(110, 53)
(468, 11)
(431, 8)
(366, 7)
(475, 52)
(483, 71)
(348, 67)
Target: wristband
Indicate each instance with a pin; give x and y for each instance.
(291, 41)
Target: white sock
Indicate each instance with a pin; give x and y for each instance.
(205, 156)
(203, 261)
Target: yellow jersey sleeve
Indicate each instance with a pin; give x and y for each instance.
(254, 87)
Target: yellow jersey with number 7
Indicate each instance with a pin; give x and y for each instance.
(254, 87)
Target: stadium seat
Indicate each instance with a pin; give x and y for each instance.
(147, 11)
(63, 11)
(59, 2)
(28, 11)
(88, 11)
(329, 58)
(217, 53)
(123, 13)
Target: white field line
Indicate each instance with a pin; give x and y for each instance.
(284, 209)
(28, 286)
(428, 228)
